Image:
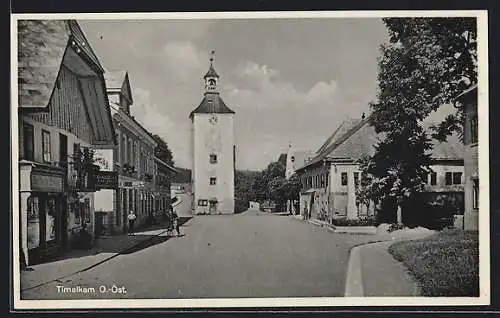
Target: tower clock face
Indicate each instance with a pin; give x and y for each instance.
(213, 119)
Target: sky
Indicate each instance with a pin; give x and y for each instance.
(288, 80)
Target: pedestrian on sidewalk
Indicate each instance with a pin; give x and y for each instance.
(131, 222)
(176, 223)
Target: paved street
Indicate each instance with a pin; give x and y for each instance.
(248, 255)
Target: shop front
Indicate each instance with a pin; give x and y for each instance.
(43, 212)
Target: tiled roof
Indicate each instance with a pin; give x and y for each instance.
(211, 73)
(343, 128)
(41, 47)
(361, 139)
(212, 103)
(114, 79)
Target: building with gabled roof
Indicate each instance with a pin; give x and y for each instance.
(64, 116)
(330, 179)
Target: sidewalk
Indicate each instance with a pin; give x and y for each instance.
(372, 271)
(104, 249)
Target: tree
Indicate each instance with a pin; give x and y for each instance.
(432, 60)
(162, 151)
(261, 184)
(427, 62)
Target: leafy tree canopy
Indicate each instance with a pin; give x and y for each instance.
(162, 151)
(426, 64)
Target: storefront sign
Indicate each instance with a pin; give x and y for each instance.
(46, 183)
(106, 180)
(132, 184)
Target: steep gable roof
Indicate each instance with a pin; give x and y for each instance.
(41, 48)
(118, 80)
(343, 128)
(83, 44)
(212, 103)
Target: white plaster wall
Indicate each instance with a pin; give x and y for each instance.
(349, 206)
(104, 198)
(219, 139)
(441, 170)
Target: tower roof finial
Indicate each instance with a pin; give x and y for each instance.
(211, 72)
(212, 56)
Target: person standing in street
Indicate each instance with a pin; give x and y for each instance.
(131, 222)
(176, 223)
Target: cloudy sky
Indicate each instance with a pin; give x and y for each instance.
(288, 80)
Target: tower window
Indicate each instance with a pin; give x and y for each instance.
(213, 180)
(213, 158)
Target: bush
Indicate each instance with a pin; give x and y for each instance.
(359, 222)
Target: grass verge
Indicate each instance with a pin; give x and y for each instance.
(444, 264)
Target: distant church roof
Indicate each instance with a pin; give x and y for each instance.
(212, 103)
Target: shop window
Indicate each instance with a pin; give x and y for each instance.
(213, 158)
(28, 142)
(50, 220)
(213, 180)
(475, 193)
(343, 177)
(46, 146)
(448, 178)
(33, 223)
(202, 202)
(433, 178)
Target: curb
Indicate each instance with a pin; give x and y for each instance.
(354, 277)
(98, 263)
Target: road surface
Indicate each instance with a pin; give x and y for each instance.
(249, 255)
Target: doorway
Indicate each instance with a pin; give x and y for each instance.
(212, 208)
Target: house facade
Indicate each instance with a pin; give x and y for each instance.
(213, 151)
(471, 143)
(63, 118)
(132, 158)
(331, 179)
(162, 180)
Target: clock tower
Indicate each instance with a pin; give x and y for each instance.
(212, 149)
